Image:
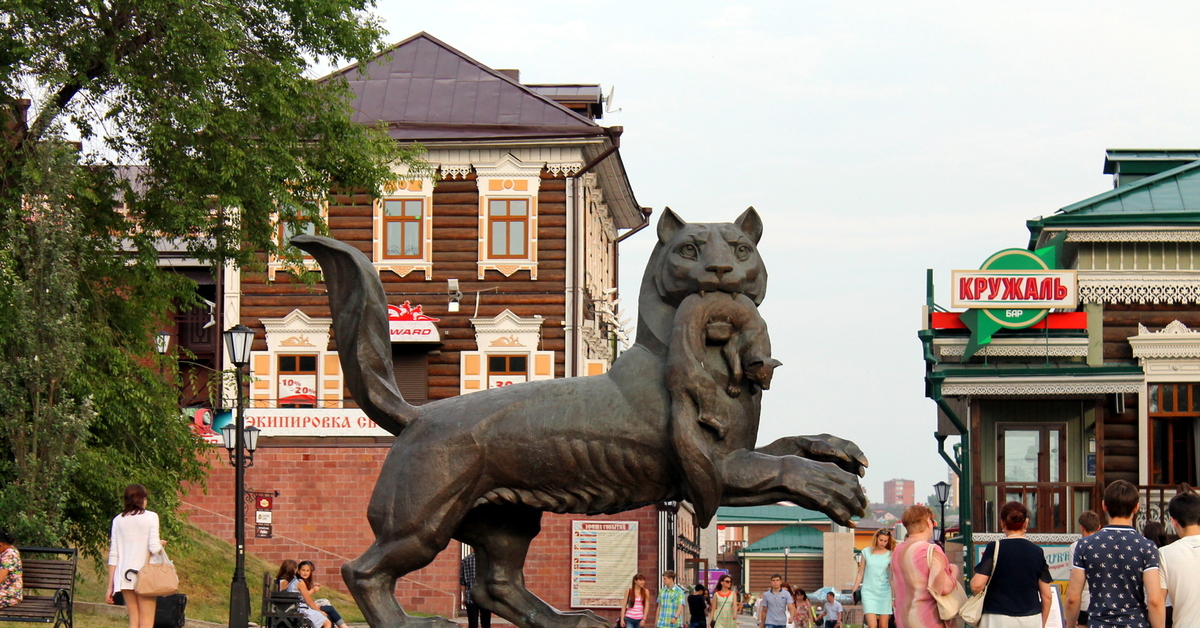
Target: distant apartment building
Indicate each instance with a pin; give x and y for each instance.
(898, 492)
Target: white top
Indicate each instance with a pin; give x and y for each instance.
(1179, 564)
(1085, 597)
(134, 538)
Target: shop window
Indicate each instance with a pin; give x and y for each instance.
(508, 228)
(1174, 411)
(411, 368)
(505, 370)
(297, 381)
(403, 236)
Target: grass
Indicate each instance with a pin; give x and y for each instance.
(205, 565)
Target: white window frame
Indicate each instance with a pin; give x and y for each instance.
(410, 189)
(508, 179)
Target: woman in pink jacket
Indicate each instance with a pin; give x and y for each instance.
(913, 563)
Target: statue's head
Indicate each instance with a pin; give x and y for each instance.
(710, 257)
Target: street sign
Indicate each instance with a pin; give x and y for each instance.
(262, 531)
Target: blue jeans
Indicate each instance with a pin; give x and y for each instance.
(633, 623)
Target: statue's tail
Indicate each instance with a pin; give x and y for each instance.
(361, 327)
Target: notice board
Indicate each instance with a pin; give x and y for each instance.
(603, 562)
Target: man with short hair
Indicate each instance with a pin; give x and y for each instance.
(670, 602)
(1089, 524)
(1181, 560)
(777, 605)
(1120, 567)
(832, 612)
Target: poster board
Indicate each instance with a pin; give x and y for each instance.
(603, 561)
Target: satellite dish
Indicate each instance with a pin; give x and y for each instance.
(608, 100)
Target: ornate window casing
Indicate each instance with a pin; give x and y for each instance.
(1170, 355)
(276, 264)
(504, 337)
(400, 198)
(513, 186)
(296, 334)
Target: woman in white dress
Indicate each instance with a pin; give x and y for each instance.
(134, 539)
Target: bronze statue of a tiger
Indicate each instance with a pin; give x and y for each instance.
(482, 468)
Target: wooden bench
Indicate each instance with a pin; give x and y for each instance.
(281, 609)
(53, 580)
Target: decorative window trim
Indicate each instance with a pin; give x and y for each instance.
(506, 334)
(405, 190)
(276, 264)
(509, 178)
(1171, 342)
(296, 334)
(1144, 287)
(1042, 386)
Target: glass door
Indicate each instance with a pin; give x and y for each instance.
(1032, 467)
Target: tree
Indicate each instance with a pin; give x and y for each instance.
(231, 139)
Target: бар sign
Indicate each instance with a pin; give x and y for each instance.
(1014, 289)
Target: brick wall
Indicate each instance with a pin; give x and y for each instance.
(320, 515)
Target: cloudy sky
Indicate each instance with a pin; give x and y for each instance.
(876, 139)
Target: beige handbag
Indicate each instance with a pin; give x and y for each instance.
(157, 579)
(972, 611)
(950, 604)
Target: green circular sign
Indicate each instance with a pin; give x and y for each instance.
(1014, 259)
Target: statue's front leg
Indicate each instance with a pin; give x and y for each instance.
(755, 479)
(821, 448)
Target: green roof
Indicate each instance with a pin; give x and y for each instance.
(768, 514)
(1167, 198)
(800, 539)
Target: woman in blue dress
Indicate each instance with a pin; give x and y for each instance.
(874, 578)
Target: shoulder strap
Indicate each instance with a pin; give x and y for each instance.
(929, 562)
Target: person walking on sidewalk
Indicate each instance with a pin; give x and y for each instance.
(671, 598)
(476, 615)
(777, 605)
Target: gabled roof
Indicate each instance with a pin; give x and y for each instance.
(1166, 199)
(424, 89)
(799, 539)
(777, 513)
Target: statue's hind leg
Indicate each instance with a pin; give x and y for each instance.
(372, 578)
(501, 537)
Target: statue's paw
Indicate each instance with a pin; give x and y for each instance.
(833, 491)
(577, 619)
(429, 622)
(839, 451)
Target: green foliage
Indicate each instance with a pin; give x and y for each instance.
(230, 140)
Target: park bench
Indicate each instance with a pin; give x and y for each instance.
(281, 609)
(49, 587)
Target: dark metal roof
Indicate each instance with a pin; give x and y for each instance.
(423, 88)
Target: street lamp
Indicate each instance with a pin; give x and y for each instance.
(786, 552)
(162, 342)
(942, 490)
(237, 345)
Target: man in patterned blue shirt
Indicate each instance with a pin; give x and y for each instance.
(670, 602)
(1120, 567)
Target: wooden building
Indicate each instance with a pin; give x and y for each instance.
(500, 267)
(1108, 389)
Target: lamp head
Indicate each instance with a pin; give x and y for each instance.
(238, 340)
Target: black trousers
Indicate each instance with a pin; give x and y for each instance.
(477, 617)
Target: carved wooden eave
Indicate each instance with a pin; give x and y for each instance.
(1140, 287)
(1042, 386)
(1017, 347)
(1173, 342)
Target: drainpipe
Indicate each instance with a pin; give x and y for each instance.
(575, 237)
(933, 390)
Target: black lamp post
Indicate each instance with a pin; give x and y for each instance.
(942, 490)
(237, 344)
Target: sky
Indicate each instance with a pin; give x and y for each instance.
(876, 139)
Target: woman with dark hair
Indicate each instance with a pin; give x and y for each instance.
(134, 538)
(637, 602)
(874, 576)
(697, 606)
(723, 607)
(287, 571)
(804, 610)
(1019, 596)
(303, 584)
(11, 584)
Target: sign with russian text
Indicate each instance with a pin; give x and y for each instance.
(313, 422)
(1014, 289)
(1034, 290)
(407, 323)
(603, 562)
